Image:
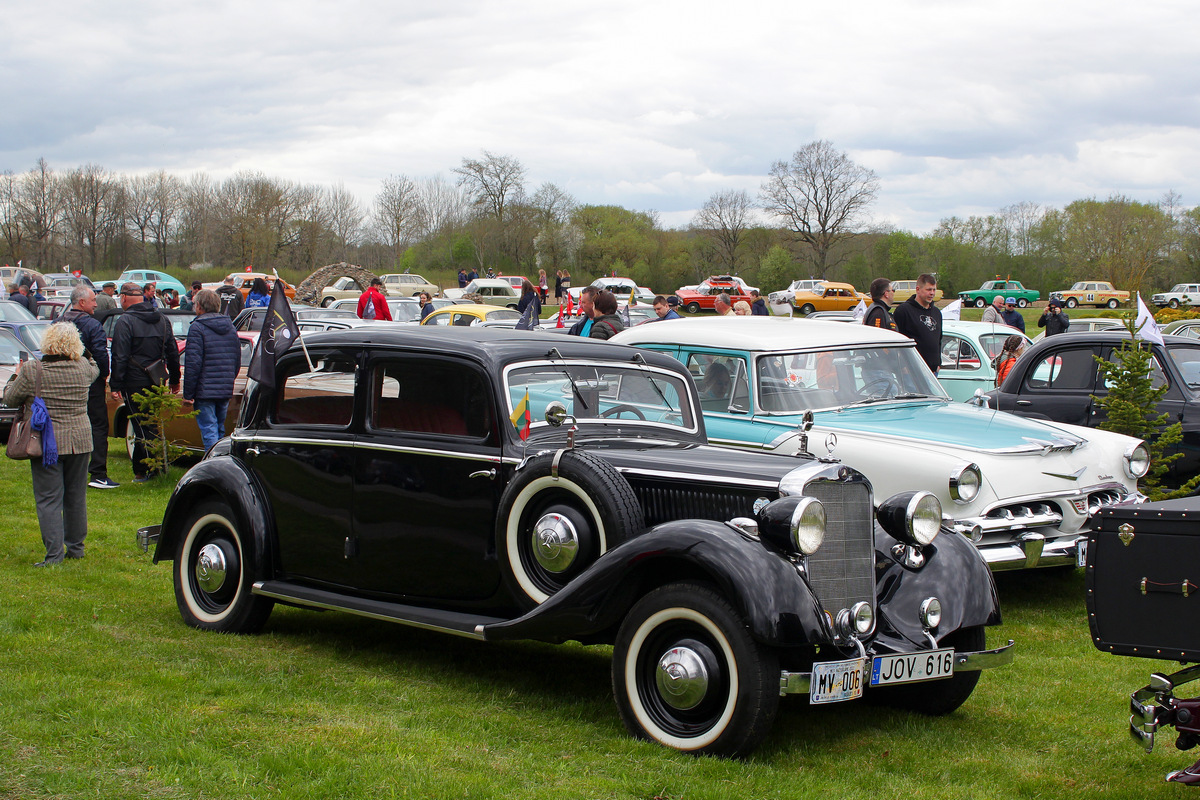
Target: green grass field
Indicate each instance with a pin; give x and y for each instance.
(105, 693)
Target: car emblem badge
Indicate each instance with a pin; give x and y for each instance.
(1125, 533)
(760, 504)
(1080, 506)
(831, 443)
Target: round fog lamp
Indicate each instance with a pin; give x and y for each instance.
(863, 618)
(931, 612)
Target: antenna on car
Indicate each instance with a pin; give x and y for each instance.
(554, 353)
(639, 358)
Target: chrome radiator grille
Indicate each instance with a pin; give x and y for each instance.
(842, 571)
(665, 503)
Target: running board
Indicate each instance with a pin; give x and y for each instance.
(430, 619)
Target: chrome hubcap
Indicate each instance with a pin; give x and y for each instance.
(210, 568)
(682, 678)
(555, 543)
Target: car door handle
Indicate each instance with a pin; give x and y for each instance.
(251, 451)
(484, 473)
(1024, 402)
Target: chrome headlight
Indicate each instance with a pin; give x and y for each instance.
(1137, 460)
(965, 482)
(793, 525)
(911, 517)
(931, 612)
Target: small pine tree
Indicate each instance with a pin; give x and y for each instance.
(157, 407)
(1131, 408)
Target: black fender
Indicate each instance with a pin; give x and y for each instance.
(229, 479)
(954, 572)
(766, 589)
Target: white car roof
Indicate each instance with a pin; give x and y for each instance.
(493, 282)
(761, 334)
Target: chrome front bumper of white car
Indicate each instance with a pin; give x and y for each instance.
(1023, 533)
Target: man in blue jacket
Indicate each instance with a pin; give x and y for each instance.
(211, 361)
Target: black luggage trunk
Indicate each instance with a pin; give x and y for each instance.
(1143, 580)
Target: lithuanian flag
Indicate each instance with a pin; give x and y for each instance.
(520, 417)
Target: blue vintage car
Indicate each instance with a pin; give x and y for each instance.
(1024, 490)
(968, 349)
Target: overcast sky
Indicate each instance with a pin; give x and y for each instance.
(961, 107)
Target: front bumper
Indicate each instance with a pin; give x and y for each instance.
(148, 536)
(964, 661)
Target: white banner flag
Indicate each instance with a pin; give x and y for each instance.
(1147, 328)
(860, 311)
(953, 311)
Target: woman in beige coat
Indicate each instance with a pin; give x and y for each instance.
(60, 489)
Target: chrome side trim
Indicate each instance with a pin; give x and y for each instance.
(690, 477)
(395, 448)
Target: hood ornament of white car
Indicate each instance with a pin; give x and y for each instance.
(831, 443)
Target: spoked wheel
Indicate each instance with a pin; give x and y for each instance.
(687, 674)
(213, 573)
(936, 698)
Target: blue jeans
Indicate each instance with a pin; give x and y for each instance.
(210, 417)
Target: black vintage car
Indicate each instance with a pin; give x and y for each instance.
(389, 477)
(1057, 379)
(1143, 575)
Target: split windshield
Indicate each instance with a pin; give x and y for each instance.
(793, 382)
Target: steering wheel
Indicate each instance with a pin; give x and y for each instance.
(882, 383)
(622, 407)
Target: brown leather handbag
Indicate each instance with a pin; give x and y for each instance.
(24, 442)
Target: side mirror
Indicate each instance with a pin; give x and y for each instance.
(980, 400)
(557, 416)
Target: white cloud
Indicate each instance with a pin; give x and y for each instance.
(960, 107)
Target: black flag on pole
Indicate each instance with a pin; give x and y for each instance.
(279, 332)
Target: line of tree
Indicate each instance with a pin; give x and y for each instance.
(810, 218)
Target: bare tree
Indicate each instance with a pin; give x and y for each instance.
(12, 229)
(197, 219)
(40, 206)
(821, 195)
(553, 205)
(92, 197)
(397, 216)
(493, 181)
(345, 216)
(1022, 219)
(443, 206)
(724, 218)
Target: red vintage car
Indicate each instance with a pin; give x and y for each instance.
(703, 296)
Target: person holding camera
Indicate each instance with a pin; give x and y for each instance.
(1054, 319)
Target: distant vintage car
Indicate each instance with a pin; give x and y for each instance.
(160, 279)
(488, 291)
(407, 284)
(1181, 294)
(829, 296)
(968, 349)
(1057, 380)
(1081, 324)
(53, 308)
(906, 289)
(786, 296)
(343, 288)
(1022, 490)
(474, 314)
(1091, 293)
(251, 319)
(983, 296)
(723, 579)
(63, 283)
(1142, 568)
(244, 282)
(704, 296)
(1189, 328)
(622, 288)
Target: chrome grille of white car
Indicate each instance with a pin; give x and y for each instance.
(842, 571)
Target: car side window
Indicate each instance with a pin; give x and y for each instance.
(721, 380)
(324, 396)
(959, 354)
(429, 397)
(1157, 377)
(1064, 369)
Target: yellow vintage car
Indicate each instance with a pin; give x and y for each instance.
(1091, 293)
(906, 289)
(828, 296)
(470, 314)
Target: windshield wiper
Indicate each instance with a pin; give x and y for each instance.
(639, 363)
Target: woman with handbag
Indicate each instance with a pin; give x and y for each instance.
(62, 379)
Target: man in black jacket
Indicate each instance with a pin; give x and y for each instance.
(142, 345)
(1053, 319)
(879, 314)
(232, 301)
(920, 319)
(91, 332)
